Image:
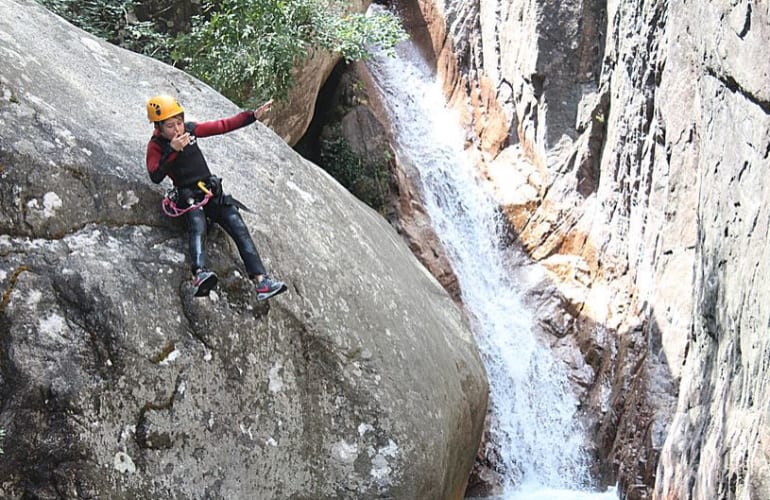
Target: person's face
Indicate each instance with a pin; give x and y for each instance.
(172, 127)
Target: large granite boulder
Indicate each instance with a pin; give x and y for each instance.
(361, 381)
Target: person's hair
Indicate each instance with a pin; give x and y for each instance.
(159, 124)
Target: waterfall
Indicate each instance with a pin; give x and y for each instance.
(533, 409)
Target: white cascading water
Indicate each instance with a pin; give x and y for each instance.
(533, 408)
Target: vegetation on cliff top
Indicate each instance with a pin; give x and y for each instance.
(246, 49)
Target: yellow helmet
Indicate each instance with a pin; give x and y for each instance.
(161, 107)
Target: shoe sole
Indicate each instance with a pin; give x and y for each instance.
(206, 286)
(267, 295)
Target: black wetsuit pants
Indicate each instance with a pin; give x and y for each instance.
(230, 219)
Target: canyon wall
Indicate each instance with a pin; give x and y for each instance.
(627, 141)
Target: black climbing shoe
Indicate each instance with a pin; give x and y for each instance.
(203, 283)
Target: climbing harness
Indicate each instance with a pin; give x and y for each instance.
(212, 188)
(170, 207)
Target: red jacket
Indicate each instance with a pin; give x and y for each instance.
(187, 167)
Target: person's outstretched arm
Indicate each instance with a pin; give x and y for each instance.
(224, 125)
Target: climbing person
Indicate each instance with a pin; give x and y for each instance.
(173, 151)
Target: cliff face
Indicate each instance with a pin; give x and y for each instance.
(627, 141)
(719, 440)
(361, 381)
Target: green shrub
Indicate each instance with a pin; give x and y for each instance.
(366, 178)
(247, 49)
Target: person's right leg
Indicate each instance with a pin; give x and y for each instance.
(203, 279)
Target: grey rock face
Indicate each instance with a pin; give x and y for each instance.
(361, 381)
(717, 446)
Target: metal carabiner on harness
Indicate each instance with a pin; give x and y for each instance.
(170, 207)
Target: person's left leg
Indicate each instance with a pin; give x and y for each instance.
(231, 221)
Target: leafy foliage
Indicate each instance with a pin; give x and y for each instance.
(247, 49)
(366, 178)
(114, 21)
